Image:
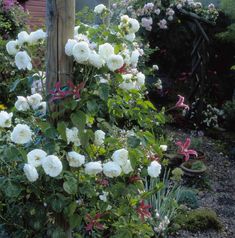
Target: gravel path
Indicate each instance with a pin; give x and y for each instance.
(221, 197)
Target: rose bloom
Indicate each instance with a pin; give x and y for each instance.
(93, 168)
(99, 137)
(21, 104)
(52, 165)
(112, 169)
(5, 119)
(154, 169)
(30, 172)
(75, 159)
(115, 62)
(21, 134)
(35, 157)
(23, 61)
(120, 156)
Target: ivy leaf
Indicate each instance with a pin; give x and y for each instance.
(104, 91)
(61, 128)
(70, 186)
(79, 120)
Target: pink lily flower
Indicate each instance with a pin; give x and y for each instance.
(184, 149)
(57, 93)
(181, 104)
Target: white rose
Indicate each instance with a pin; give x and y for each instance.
(112, 169)
(96, 60)
(93, 168)
(134, 25)
(140, 79)
(115, 62)
(75, 159)
(81, 37)
(34, 100)
(81, 52)
(103, 197)
(12, 47)
(52, 165)
(135, 57)
(130, 37)
(69, 47)
(120, 156)
(35, 36)
(105, 51)
(100, 8)
(128, 85)
(155, 67)
(99, 137)
(23, 37)
(154, 169)
(5, 119)
(21, 104)
(163, 147)
(127, 168)
(124, 18)
(21, 134)
(72, 136)
(23, 61)
(30, 172)
(35, 157)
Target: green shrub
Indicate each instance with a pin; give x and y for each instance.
(229, 113)
(198, 220)
(189, 198)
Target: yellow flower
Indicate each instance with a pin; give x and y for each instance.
(2, 107)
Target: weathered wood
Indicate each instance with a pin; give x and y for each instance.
(60, 27)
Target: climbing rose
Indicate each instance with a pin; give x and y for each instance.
(99, 137)
(21, 134)
(5, 119)
(34, 100)
(75, 159)
(69, 47)
(21, 104)
(23, 37)
(12, 47)
(105, 51)
(81, 52)
(52, 165)
(115, 62)
(23, 61)
(120, 156)
(112, 169)
(100, 8)
(35, 157)
(154, 169)
(30, 172)
(93, 168)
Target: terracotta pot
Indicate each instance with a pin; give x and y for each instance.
(191, 172)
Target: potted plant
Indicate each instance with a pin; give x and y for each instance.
(193, 167)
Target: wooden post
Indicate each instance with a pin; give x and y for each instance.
(60, 27)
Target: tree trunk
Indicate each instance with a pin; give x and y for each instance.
(60, 27)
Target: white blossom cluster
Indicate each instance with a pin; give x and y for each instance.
(16, 47)
(34, 101)
(162, 225)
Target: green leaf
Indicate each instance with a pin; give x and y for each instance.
(43, 126)
(92, 106)
(104, 91)
(10, 189)
(79, 120)
(75, 221)
(69, 211)
(61, 128)
(133, 141)
(70, 186)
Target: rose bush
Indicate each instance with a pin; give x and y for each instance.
(85, 167)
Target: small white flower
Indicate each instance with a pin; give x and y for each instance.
(100, 8)
(93, 168)
(35, 157)
(127, 168)
(155, 67)
(12, 47)
(134, 25)
(105, 51)
(30, 172)
(157, 11)
(35, 36)
(52, 165)
(115, 62)
(69, 47)
(72, 136)
(128, 85)
(34, 100)
(76, 28)
(23, 61)
(130, 37)
(135, 57)
(5, 119)
(75, 159)
(163, 147)
(81, 52)
(21, 134)
(112, 169)
(154, 169)
(96, 60)
(23, 37)
(103, 197)
(21, 104)
(99, 137)
(120, 156)
(140, 79)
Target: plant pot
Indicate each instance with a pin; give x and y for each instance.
(174, 160)
(201, 155)
(186, 167)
